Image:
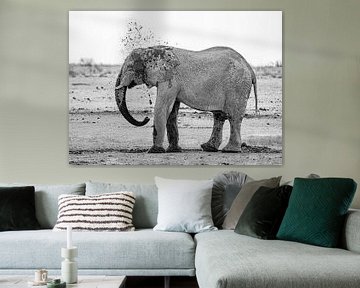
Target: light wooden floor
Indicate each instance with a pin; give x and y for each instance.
(158, 282)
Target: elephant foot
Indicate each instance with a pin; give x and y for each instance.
(156, 149)
(208, 147)
(174, 149)
(231, 149)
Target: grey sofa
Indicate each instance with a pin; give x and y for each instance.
(143, 252)
(226, 259)
(218, 259)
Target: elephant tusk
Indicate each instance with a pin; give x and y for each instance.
(118, 87)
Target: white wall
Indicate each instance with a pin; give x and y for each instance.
(321, 91)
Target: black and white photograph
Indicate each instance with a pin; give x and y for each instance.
(175, 88)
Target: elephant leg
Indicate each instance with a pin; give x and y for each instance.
(158, 135)
(236, 112)
(158, 131)
(216, 136)
(163, 106)
(234, 144)
(172, 129)
(156, 148)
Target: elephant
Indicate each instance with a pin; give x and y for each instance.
(217, 79)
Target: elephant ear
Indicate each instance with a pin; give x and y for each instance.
(132, 71)
(126, 78)
(160, 63)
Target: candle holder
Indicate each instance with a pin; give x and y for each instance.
(68, 265)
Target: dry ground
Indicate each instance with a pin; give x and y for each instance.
(99, 135)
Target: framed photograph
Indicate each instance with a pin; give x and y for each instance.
(175, 88)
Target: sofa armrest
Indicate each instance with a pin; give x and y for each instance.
(351, 234)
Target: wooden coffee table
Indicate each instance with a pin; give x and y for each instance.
(83, 282)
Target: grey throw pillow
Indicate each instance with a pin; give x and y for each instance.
(226, 187)
(184, 205)
(310, 176)
(46, 201)
(146, 205)
(243, 198)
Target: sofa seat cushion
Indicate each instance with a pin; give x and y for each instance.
(226, 259)
(141, 249)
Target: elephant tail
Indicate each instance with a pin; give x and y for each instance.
(255, 92)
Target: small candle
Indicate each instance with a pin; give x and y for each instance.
(69, 239)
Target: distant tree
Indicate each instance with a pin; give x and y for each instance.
(90, 65)
(278, 64)
(89, 62)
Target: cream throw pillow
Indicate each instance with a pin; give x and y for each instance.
(184, 205)
(105, 212)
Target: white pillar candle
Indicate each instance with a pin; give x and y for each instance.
(69, 237)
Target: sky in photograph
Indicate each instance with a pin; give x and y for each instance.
(257, 35)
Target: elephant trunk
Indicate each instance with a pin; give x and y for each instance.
(120, 97)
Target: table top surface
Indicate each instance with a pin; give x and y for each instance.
(15, 281)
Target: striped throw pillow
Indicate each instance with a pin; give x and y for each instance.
(105, 212)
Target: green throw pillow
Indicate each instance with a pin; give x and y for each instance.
(316, 211)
